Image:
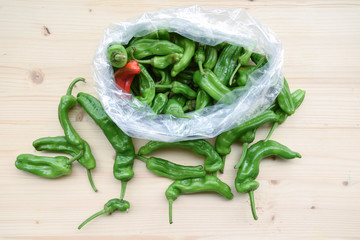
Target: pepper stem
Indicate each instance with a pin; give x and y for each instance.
(243, 154)
(118, 56)
(252, 202)
(76, 157)
(170, 211)
(144, 159)
(91, 180)
(123, 189)
(139, 61)
(91, 218)
(201, 68)
(233, 74)
(163, 86)
(72, 84)
(223, 158)
(271, 131)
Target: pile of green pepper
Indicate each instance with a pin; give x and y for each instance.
(174, 75)
(179, 75)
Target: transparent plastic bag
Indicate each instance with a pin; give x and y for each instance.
(207, 26)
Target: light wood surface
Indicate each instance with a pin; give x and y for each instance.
(45, 44)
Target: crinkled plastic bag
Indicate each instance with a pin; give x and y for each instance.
(207, 26)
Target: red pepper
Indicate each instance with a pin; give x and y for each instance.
(125, 75)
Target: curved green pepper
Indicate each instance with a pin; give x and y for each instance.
(180, 99)
(149, 47)
(297, 97)
(66, 103)
(56, 144)
(109, 207)
(226, 63)
(249, 169)
(122, 143)
(211, 56)
(207, 183)
(159, 102)
(146, 85)
(48, 167)
(179, 88)
(165, 78)
(284, 99)
(174, 108)
(224, 141)
(172, 170)
(159, 34)
(199, 58)
(160, 62)
(210, 84)
(189, 49)
(212, 163)
(202, 100)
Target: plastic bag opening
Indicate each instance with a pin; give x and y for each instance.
(207, 26)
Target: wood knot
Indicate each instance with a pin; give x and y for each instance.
(46, 31)
(274, 182)
(80, 116)
(36, 76)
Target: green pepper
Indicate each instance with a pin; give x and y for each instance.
(160, 62)
(226, 63)
(66, 103)
(173, 108)
(224, 141)
(244, 73)
(159, 102)
(189, 105)
(211, 56)
(117, 55)
(185, 75)
(180, 99)
(165, 78)
(172, 170)
(109, 207)
(179, 88)
(149, 47)
(297, 97)
(202, 100)
(249, 169)
(122, 143)
(258, 59)
(243, 60)
(245, 139)
(47, 167)
(210, 84)
(159, 34)
(212, 163)
(189, 49)
(147, 86)
(199, 58)
(207, 183)
(284, 99)
(221, 46)
(56, 144)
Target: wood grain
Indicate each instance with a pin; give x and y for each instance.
(45, 44)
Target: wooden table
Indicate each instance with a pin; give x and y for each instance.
(45, 44)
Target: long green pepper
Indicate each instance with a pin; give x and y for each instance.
(212, 163)
(249, 169)
(172, 170)
(189, 49)
(122, 143)
(208, 183)
(66, 103)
